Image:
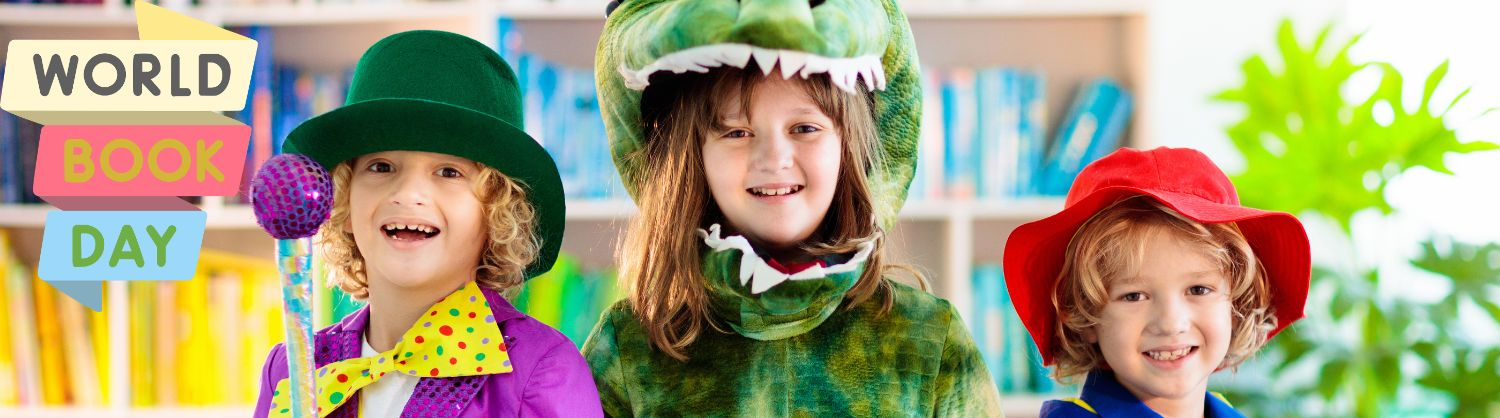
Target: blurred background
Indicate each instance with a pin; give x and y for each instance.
(1369, 119)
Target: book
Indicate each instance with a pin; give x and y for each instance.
(24, 341)
(1093, 128)
(960, 125)
(54, 377)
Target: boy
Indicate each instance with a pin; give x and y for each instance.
(1152, 278)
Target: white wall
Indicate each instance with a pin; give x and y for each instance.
(1196, 48)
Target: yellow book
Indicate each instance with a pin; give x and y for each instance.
(224, 333)
(164, 343)
(49, 334)
(237, 298)
(9, 393)
(266, 329)
(23, 336)
(142, 325)
(99, 334)
(78, 354)
(198, 377)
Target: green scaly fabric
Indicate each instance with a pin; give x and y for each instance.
(792, 349)
(916, 360)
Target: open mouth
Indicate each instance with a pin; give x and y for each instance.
(775, 191)
(845, 72)
(1170, 355)
(410, 232)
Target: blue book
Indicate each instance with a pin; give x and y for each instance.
(257, 113)
(1031, 138)
(28, 137)
(960, 136)
(10, 160)
(992, 107)
(509, 41)
(985, 324)
(1092, 129)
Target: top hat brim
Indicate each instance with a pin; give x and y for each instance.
(399, 124)
(1035, 252)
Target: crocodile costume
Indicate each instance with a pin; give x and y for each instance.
(794, 350)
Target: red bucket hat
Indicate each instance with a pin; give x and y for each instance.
(1182, 179)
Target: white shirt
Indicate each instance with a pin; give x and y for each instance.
(386, 397)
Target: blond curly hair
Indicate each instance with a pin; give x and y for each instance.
(511, 244)
(1109, 245)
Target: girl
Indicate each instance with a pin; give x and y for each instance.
(441, 203)
(1151, 279)
(756, 269)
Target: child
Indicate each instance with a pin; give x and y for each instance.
(756, 273)
(441, 203)
(1152, 278)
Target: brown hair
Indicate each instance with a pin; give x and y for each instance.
(510, 246)
(1110, 245)
(661, 254)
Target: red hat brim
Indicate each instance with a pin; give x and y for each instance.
(1034, 255)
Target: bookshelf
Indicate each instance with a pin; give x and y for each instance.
(1069, 40)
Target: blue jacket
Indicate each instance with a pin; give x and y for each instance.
(1103, 396)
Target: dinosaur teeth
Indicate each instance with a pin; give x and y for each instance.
(765, 57)
(791, 62)
(844, 72)
(815, 65)
(737, 56)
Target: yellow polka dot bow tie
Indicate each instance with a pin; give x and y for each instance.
(457, 337)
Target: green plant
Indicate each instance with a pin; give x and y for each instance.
(1311, 150)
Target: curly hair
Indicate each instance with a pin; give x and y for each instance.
(510, 246)
(1110, 244)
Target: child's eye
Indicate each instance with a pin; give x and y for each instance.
(737, 133)
(1133, 297)
(450, 172)
(805, 129)
(380, 167)
(1200, 290)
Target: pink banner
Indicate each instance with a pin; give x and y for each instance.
(156, 160)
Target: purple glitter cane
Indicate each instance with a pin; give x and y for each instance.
(292, 195)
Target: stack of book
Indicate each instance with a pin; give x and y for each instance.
(193, 342)
(984, 134)
(562, 113)
(1007, 349)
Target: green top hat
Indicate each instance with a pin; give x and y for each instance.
(440, 92)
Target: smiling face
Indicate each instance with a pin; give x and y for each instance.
(1167, 327)
(772, 165)
(415, 219)
(856, 44)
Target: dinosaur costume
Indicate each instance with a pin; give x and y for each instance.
(793, 350)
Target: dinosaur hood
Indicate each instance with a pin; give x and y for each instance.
(854, 42)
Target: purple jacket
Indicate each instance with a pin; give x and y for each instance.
(549, 377)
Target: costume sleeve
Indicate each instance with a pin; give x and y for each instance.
(560, 386)
(603, 354)
(964, 387)
(272, 372)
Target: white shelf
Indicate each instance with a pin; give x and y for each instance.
(1021, 9)
(97, 15)
(241, 217)
(35, 216)
(70, 15)
(338, 13)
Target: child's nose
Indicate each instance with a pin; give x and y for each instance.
(1171, 317)
(772, 153)
(411, 190)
